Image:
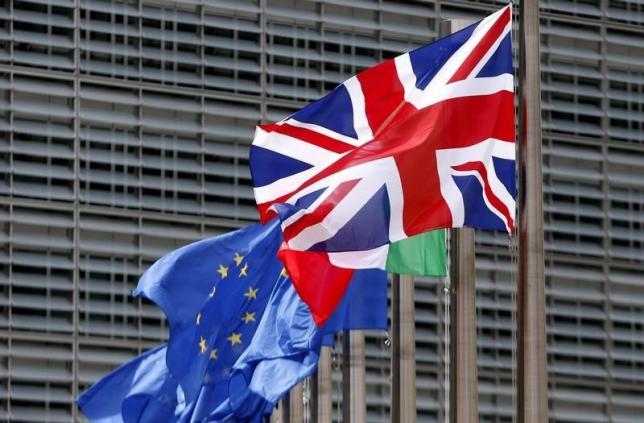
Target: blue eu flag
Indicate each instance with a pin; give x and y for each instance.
(286, 346)
(215, 294)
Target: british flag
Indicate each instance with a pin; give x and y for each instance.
(422, 141)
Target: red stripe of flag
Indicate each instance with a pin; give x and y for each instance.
(383, 94)
(318, 282)
(311, 137)
(483, 47)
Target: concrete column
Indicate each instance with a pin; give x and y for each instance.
(532, 377)
(403, 350)
(353, 377)
(463, 370)
(322, 401)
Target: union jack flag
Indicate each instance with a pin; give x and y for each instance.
(422, 141)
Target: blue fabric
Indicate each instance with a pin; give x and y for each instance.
(285, 351)
(141, 390)
(364, 305)
(229, 306)
(334, 111)
(504, 170)
(477, 211)
(427, 60)
(272, 166)
(204, 323)
(374, 214)
(286, 346)
(501, 60)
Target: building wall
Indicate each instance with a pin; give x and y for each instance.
(124, 133)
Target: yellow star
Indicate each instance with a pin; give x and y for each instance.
(235, 338)
(238, 259)
(251, 293)
(283, 273)
(212, 293)
(202, 345)
(249, 317)
(198, 318)
(213, 353)
(242, 271)
(223, 271)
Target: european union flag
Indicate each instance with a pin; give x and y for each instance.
(286, 347)
(215, 293)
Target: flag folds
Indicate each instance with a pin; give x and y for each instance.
(419, 142)
(141, 390)
(235, 324)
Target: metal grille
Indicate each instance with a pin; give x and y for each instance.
(125, 128)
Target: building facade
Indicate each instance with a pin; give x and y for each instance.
(124, 133)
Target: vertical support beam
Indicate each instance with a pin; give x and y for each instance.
(322, 403)
(295, 408)
(395, 351)
(532, 381)
(278, 412)
(463, 370)
(353, 377)
(407, 349)
(403, 354)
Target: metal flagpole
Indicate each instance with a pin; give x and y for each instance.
(407, 350)
(395, 351)
(353, 377)
(463, 371)
(278, 412)
(322, 404)
(403, 354)
(295, 409)
(532, 383)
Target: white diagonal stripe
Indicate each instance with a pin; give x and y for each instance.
(439, 89)
(360, 121)
(293, 147)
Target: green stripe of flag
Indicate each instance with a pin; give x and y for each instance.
(423, 255)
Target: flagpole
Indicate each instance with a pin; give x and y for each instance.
(322, 403)
(403, 354)
(278, 412)
(353, 377)
(407, 349)
(463, 369)
(395, 350)
(295, 408)
(532, 381)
